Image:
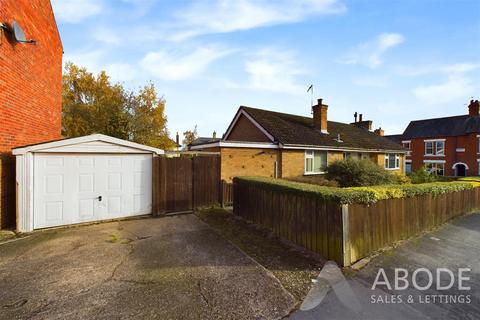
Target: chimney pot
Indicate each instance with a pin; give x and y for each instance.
(360, 118)
(320, 116)
(177, 139)
(214, 134)
(355, 115)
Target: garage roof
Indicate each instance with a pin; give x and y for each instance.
(95, 143)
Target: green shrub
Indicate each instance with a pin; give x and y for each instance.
(319, 180)
(422, 175)
(363, 195)
(358, 173)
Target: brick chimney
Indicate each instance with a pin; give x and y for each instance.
(177, 139)
(474, 108)
(320, 116)
(379, 131)
(364, 124)
(214, 134)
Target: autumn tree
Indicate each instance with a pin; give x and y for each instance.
(189, 136)
(93, 104)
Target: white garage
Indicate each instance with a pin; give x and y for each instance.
(83, 179)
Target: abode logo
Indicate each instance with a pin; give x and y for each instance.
(420, 281)
(397, 286)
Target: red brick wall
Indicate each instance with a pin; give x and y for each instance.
(469, 157)
(30, 88)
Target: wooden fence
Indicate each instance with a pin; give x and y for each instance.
(378, 225)
(347, 233)
(182, 184)
(304, 220)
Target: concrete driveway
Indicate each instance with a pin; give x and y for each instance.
(455, 245)
(165, 268)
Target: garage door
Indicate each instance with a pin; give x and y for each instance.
(75, 188)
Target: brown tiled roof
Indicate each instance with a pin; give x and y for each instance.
(442, 127)
(291, 129)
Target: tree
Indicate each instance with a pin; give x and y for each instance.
(92, 104)
(189, 136)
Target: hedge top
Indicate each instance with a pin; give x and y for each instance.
(363, 195)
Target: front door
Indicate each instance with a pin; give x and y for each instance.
(460, 170)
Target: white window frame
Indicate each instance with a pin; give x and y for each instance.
(434, 143)
(435, 164)
(387, 161)
(310, 154)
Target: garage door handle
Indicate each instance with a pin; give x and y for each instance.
(99, 198)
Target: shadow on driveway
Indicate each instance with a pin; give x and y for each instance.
(168, 268)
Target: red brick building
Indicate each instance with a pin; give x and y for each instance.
(30, 88)
(447, 146)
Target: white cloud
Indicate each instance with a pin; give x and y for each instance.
(274, 70)
(74, 11)
(455, 87)
(88, 59)
(370, 53)
(169, 65)
(106, 36)
(457, 84)
(121, 71)
(220, 16)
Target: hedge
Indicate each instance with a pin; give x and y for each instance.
(364, 195)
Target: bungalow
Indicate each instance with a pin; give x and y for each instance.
(273, 144)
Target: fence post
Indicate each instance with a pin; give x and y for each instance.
(346, 256)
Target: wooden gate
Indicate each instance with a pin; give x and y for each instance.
(182, 184)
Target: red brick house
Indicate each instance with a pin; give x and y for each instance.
(447, 146)
(30, 87)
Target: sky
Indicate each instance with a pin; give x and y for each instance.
(393, 61)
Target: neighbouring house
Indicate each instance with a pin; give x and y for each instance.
(273, 144)
(30, 87)
(447, 146)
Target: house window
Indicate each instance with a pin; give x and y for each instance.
(407, 145)
(478, 144)
(436, 168)
(435, 148)
(315, 161)
(429, 148)
(392, 161)
(440, 148)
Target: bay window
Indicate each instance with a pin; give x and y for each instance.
(315, 161)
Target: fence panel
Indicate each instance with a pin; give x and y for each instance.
(301, 219)
(387, 221)
(184, 183)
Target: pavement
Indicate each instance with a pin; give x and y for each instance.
(455, 245)
(155, 268)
